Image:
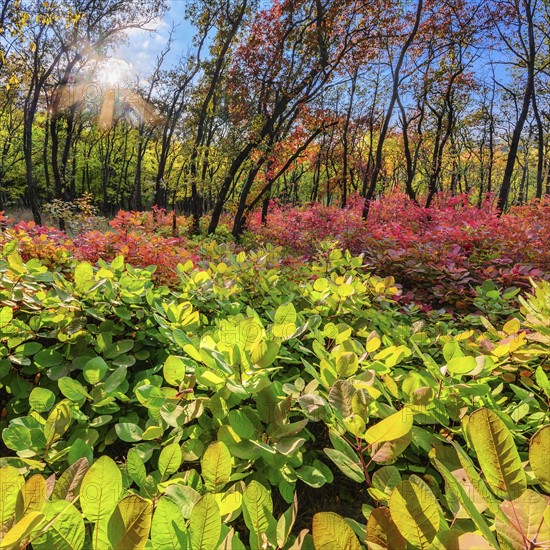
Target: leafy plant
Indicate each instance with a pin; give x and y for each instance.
(265, 405)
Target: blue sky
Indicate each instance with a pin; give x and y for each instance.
(142, 47)
(137, 57)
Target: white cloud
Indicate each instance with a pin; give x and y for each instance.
(143, 46)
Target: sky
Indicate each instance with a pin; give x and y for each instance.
(137, 57)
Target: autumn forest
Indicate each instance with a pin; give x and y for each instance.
(299, 101)
(274, 274)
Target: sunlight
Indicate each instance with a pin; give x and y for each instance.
(114, 71)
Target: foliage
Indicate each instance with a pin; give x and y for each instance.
(438, 254)
(296, 101)
(233, 401)
(143, 238)
(157, 220)
(79, 215)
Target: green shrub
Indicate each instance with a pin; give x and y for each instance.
(228, 403)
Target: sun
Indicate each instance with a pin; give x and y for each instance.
(113, 71)
(107, 87)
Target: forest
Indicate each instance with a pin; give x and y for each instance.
(274, 275)
(296, 101)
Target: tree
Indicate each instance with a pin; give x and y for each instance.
(371, 178)
(73, 30)
(291, 54)
(515, 23)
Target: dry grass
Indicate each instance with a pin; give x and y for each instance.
(20, 214)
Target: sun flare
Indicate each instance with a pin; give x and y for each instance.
(113, 71)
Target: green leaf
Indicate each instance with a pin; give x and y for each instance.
(130, 523)
(120, 347)
(150, 396)
(136, 468)
(65, 528)
(47, 358)
(174, 370)
(475, 479)
(169, 460)
(539, 451)
(232, 541)
(286, 522)
(347, 364)
(230, 501)
(258, 514)
(80, 449)
(72, 389)
(393, 427)
(99, 494)
(285, 314)
(340, 444)
(264, 353)
(464, 499)
(83, 274)
(41, 399)
(241, 424)
(216, 466)
(386, 479)
(542, 381)
(345, 290)
(350, 468)
(452, 350)
(129, 432)
(6, 315)
(415, 513)
(115, 379)
(152, 432)
(331, 532)
(205, 524)
(461, 365)
(94, 370)
(184, 497)
(315, 475)
(58, 422)
(168, 530)
(355, 425)
(497, 454)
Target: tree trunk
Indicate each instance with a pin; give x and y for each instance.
(529, 90)
(540, 146)
(371, 190)
(32, 190)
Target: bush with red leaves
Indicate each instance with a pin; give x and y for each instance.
(438, 254)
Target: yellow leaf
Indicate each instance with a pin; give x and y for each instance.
(511, 327)
(331, 532)
(21, 530)
(395, 426)
(131, 522)
(373, 344)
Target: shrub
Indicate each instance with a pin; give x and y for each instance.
(219, 412)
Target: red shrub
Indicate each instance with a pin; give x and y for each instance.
(438, 254)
